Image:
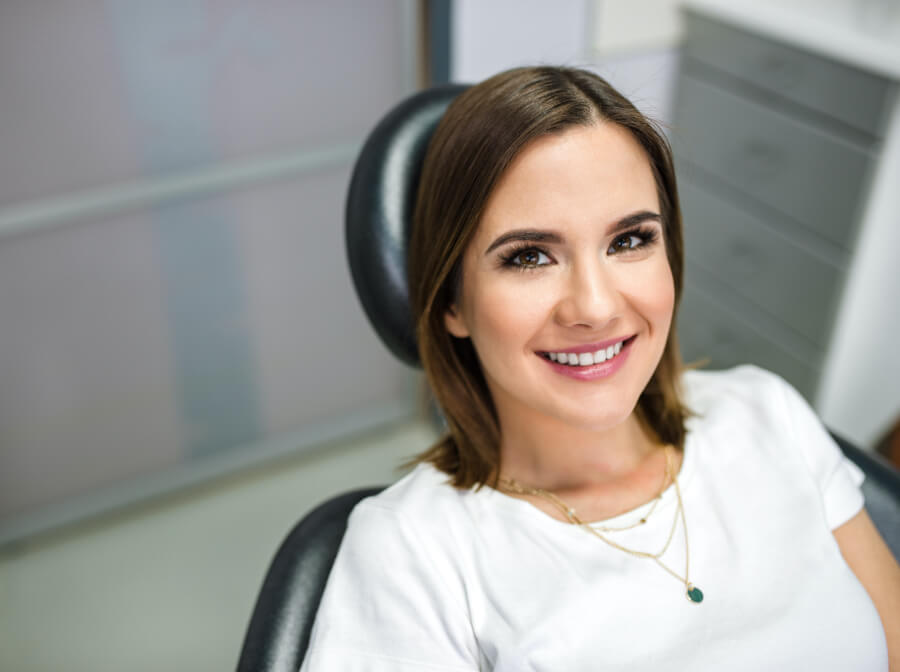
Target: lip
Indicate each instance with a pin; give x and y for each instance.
(594, 371)
(590, 347)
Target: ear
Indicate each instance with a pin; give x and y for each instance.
(455, 323)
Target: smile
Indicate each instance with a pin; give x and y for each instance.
(587, 358)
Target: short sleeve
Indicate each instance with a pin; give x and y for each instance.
(837, 478)
(391, 603)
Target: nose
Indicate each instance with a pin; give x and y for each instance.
(590, 298)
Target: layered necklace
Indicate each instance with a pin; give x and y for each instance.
(693, 593)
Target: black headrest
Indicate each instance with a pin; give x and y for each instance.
(380, 205)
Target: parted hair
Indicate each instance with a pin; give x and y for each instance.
(478, 137)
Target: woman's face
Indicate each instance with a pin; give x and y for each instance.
(566, 291)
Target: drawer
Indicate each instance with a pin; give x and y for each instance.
(760, 263)
(847, 94)
(709, 330)
(813, 177)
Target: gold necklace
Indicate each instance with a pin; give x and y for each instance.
(518, 488)
(693, 593)
(643, 519)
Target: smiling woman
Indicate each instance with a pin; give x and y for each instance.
(556, 167)
(599, 280)
(552, 522)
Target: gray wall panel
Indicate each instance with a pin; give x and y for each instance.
(173, 284)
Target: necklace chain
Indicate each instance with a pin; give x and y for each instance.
(693, 593)
(516, 487)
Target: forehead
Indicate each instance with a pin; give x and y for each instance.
(585, 175)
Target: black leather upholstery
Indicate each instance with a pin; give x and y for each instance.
(282, 619)
(379, 210)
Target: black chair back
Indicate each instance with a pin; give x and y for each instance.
(282, 619)
(380, 206)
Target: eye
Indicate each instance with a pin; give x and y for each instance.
(632, 240)
(530, 257)
(627, 242)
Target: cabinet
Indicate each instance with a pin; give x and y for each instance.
(775, 148)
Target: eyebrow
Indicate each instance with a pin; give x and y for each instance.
(540, 236)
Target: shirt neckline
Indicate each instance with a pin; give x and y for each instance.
(523, 509)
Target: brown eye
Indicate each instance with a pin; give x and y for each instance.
(628, 241)
(526, 258)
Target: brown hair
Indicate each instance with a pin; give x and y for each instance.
(480, 134)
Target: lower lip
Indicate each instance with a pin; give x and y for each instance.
(594, 371)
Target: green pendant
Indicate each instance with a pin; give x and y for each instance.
(694, 594)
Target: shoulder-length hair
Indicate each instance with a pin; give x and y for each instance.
(480, 134)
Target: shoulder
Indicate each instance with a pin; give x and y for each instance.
(402, 535)
(756, 414)
(755, 395)
(395, 598)
(423, 490)
(745, 381)
(745, 390)
(406, 514)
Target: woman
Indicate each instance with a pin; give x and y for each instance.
(592, 506)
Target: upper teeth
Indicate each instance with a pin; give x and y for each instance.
(586, 358)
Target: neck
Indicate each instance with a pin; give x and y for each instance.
(551, 454)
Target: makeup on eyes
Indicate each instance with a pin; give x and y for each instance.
(508, 257)
(646, 235)
(626, 223)
(643, 234)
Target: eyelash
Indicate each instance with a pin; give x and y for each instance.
(508, 260)
(646, 236)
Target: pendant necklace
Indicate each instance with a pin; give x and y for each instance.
(692, 592)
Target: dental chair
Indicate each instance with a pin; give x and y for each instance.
(379, 209)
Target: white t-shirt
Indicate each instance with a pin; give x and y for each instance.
(430, 577)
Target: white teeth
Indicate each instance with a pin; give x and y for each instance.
(586, 358)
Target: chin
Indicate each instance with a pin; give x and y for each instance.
(608, 419)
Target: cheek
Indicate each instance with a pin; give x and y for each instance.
(654, 294)
(504, 317)
(662, 299)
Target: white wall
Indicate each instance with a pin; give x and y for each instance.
(860, 392)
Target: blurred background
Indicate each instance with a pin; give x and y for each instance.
(184, 367)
